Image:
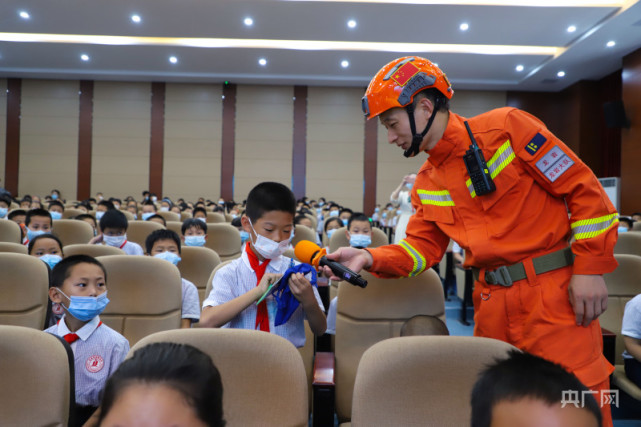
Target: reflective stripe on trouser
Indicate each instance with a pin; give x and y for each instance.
(587, 228)
(436, 198)
(419, 260)
(503, 156)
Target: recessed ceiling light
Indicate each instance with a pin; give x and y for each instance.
(248, 22)
(611, 43)
(464, 26)
(571, 29)
(173, 59)
(351, 23)
(344, 63)
(561, 74)
(84, 57)
(136, 18)
(520, 68)
(262, 62)
(24, 14)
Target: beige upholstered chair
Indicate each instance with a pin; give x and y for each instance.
(423, 380)
(185, 215)
(72, 231)
(302, 232)
(16, 248)
(91, 250)
(145, 295)
(636, 226)
(128, 215)
(10, 231)
(37, 378)
(139, 230)
(175, 226)
(215, 217)
(24, 287)
(263, 375)
(71, 213)
(197, 265)
(623, 284)
(368, 315)
(224, 239)
(628, 243)
(169, 216)
(339, 239)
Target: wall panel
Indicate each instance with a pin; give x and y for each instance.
(631, 138)
(3, 128)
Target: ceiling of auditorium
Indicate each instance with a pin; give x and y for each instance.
(305, 42)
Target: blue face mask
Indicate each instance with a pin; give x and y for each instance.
(51, 260)
(147, 215)
(3, 212)
(169, 256)
(360, 240)
(345, 221)
(384, 214)
(194, 240)
(55, 215)
(623, 229)
(376, 210)
(330, 232)
(244, 237)
(33, 234)
(54, 197)
(398, 212)
(99, 215)
(333, 213)
(86, 308)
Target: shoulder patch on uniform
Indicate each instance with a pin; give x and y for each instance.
(554, 164)
(535, 143)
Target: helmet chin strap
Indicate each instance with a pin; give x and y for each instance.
(417, 138)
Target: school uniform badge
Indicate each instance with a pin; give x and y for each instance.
(94, 364)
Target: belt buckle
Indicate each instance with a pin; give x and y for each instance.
(500, 276)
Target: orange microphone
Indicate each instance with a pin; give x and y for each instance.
(310, 253)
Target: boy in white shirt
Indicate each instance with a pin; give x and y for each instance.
(113, 228)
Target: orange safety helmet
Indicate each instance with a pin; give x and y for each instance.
(397, 82)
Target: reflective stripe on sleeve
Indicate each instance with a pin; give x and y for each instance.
(503, 157)
(592, 227)
(419, 261)
(437, 198)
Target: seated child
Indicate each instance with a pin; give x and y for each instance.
(18, 216)
(89, 220)
(148, 210)
(269, 219)
(165, 204)
(303, 220)
(631, 331)
(97, 349)
(200, 214)
(36, 222)
(5, 205)
(158, 219)
(56, 209)
(113, 232)
(244, 236)
(48, 248)
(116, 202)
(102, 207)
(331, 225)
(194, 232)
(132, 207)
(165, 244)
(345, 214)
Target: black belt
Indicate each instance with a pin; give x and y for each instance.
(507, 275)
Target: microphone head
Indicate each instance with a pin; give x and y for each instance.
(305, 251)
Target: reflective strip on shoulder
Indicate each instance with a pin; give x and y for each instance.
(419, 261)
(503, 157)
(437, 198)
(588, 228)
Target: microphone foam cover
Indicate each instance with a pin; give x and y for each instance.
(305, 251)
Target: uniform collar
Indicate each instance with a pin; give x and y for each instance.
(449, 141)
(83, 333)
(273, 264)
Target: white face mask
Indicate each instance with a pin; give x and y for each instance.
(268, 248)
(115, 241)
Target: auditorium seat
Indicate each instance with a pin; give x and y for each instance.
(224, 239)
(263, 375)
(228, 217)
(339, 239)
(37, 371)
(413, 380)
(72, 231)
(16, 248)
(128, 215)
(10, 231)
(71, 213)
(196, 265)
(302, 232)
(24, 287)
(215, 217)
(169, 216)
(314, 220)
(636, 226)
(91, 250)
(184, 216)
(139, 230)
(145, 295)
(175, 226)
(628, 243)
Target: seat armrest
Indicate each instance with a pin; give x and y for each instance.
(609, 345)
(323, 387)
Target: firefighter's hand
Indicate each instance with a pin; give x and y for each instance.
(588, 296)
(352, 258)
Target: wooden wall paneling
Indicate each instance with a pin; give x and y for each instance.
(12, 148)
(157, 137)
(299, 155)
(228, 142)
(85, 133)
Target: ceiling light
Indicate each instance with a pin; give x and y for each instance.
(136, 18)
(248, 22)
(520, 68)
(262, 62)
(24, 14)
(611, 43)
(84, 57)
(571, 29)
(351, 23)
(561, 74)
(344, 63)
(173, 59)
(534, 3)
(464, 26)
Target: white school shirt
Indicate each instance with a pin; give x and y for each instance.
(238, 278)
(97, 353)
(631, 324)
(191, 302)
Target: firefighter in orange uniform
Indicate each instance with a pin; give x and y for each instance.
(532, 289)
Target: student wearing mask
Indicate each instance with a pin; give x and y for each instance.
(37, 221)
(102, 207)
(148, 210)
(194, 232)
(113, 232)
(56, 209)
(5, 205)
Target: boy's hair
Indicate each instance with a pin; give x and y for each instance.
(424, 325)
(113, 199)
(269, 197)
(62, 270)
(330, 220)
(523, 375)
(56, 203)
(82, 217)
(236, 222)
(348, 210)
(158, 216)
(106, 204)
(628, 221)
(37, 212)
(113, 218)
(199, 209)
(182, 367)
(33, 241)
(84, 203)
(298, 218)
(6, 199)
(358, 216)
(218, 208)
(162, 234)
(16, 212)
(150, 203)
(193, 222)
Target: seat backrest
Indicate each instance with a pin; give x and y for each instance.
(623, 284)
(628, 243)
(302, 232)
(175, 226)
(224, 239)
(263, 376)
(169, 216)
(415, 379)
(128, 215)
(228, 217)
(339, 239)
(215, 217)
(71, 213)
(211, 277)
(196, 265)
(636, 226)
(16, 248)
(185, 215)
(37, 372)
(24, 290)
(368, 315)
(72, 231)
(139, 230)
(91, 250)
(145, 295)
(10, 231)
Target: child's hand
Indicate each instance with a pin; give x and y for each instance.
(96, 240)
(302, 289)
(265, 282)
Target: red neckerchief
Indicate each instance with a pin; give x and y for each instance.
(262, 318)
(71, 337)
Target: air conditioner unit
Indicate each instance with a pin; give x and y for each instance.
(612, 187)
